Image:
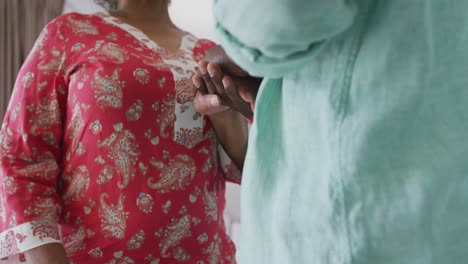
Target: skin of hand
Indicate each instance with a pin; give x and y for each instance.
(222, 91)
(219, 75)
(53, 253)
(230, 126)
(217, 55)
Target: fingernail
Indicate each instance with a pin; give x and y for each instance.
(214, 101)
(197, 83)
(202, 70)
(211, 73)
(225, 82)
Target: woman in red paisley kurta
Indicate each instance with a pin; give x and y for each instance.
(103, 152)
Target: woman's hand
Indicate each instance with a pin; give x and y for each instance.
(206, 103)
(219, 75)
(217, 97)
(230, 126)
(224, 92)
(53, 253)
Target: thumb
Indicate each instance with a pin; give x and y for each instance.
(207, 104)
(246, 95)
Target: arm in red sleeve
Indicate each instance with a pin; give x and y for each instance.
(30, 148)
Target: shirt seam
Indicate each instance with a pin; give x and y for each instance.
(343, 103)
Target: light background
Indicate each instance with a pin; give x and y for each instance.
(196, 17)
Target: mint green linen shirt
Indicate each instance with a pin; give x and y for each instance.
(358, 153)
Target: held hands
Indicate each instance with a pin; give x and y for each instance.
(223, 86)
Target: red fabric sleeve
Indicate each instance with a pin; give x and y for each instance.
(30, 147)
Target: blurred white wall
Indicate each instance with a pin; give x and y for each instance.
(196, 17)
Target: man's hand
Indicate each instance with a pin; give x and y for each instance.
(218, 96)
(220, 90)
(218, 56)
(220, 76)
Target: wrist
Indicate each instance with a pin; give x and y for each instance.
(228, 114)
(53, 253)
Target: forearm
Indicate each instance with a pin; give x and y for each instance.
(53, 253)
(232, 133)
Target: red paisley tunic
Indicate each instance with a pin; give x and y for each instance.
(101, 150)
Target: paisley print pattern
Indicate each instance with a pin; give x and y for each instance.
(166, 116)
(28, 79)
(141, 75)
(145, 203)
(43, 211)
(44, 116)
(189, 137)
(96, 253)
(211, 205)
(185, 91)
(96, 127)
(176, 175)
(214, 251)
(42, 229)
(177, 230)
(119, 258)
(106, 174)
(74, 242)
(134, 111)
(108, 51)
(77, 47)
(136, 240)
(8, 243)
(78, 186)
(10, 185)
(43, 166)
(102, 137)
(108, 89)
(76, 125)
(6, 140)
(53, 64)
(81, 26)
(180, 254)
(123, 151)
(113, 218)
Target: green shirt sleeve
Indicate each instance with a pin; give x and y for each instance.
(270, 38)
